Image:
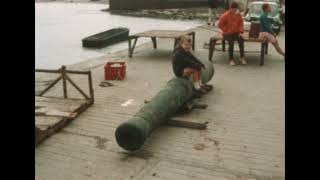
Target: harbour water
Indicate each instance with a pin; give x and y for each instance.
(60, 26)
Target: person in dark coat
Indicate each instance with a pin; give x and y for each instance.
(186, 65)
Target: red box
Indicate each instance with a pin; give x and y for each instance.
(115, 71)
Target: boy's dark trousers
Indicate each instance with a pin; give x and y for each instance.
(231, 38)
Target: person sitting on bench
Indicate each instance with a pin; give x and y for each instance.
(231, 24)
(185, 65)
(266, 30)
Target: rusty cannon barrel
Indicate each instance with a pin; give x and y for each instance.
(131, 135)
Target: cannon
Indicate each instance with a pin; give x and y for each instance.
(131, 134)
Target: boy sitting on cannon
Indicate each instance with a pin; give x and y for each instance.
(186, 65)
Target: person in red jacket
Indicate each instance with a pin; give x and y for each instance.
(231, 24)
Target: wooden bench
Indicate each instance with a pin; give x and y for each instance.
(219, 37)
(153, 34)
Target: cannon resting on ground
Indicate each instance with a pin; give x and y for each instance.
(131, 135)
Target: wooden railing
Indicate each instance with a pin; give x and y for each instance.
(65, 77)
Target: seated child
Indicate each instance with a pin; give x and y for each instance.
(185, 65)
(266, 30)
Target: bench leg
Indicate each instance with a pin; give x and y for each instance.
(154, 41)
(212, 45)
(193, 34)
(266, 48)
(223, 45)
(131, 49)
(262, 54)
(176, 41)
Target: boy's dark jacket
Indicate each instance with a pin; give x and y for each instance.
(182, 60)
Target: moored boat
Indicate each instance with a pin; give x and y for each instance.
(106, 38)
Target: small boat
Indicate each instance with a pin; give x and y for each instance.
(106, 38)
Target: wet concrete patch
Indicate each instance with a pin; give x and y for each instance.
(138, 154)
(100, 144)
(216, 142)
(199, 146)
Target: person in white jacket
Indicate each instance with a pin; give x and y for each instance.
(213, 5)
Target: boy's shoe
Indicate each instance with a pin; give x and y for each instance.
(243, 61)
(232, 63)
(208, 87)
(196, 94)
(202, 90)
